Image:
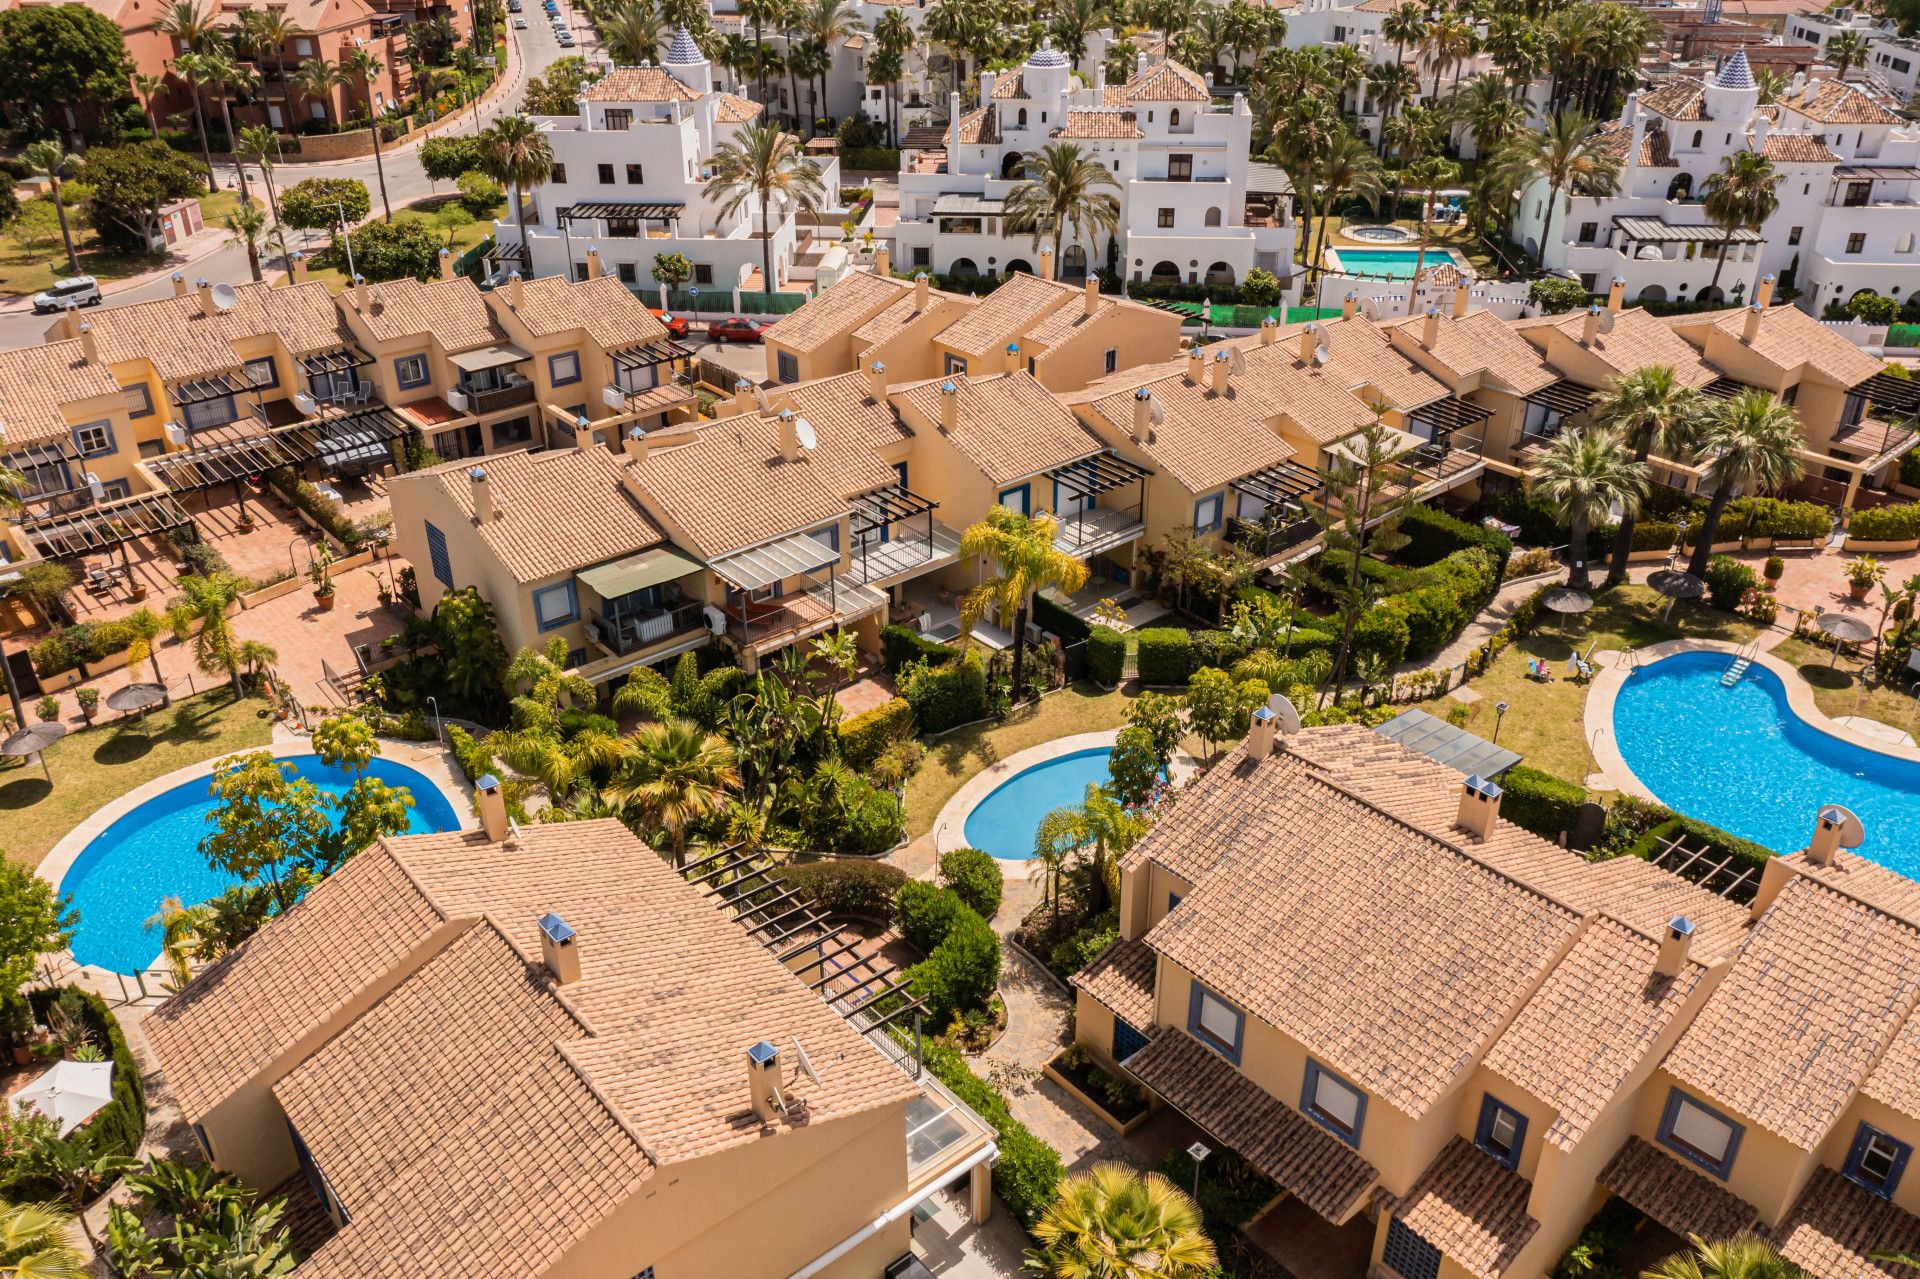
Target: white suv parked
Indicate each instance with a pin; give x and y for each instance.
(65, 295)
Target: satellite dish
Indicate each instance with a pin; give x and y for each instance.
(1158, 413)
(806, 1066)
(804, 432)
(1851, 831)
(1605, 324)
(1322, 346)
(225, 297)
(760, 399)
(1370, 307)
(1283, 710)
(1237, 361)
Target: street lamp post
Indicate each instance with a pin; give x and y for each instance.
(1499, 713)
(1197, 1152)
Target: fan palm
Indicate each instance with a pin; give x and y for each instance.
(628, 33)
(1567, 157)
(828, 24)
(1585, 473)
(1742, 1257)
(1347, 164)
(203, 603)
(361, 65)
(673, 774)
(1447, 45)
(1064, 187)
(1391, 85)
(33, 1243)
(1739, 196)
(190, 24)
(267, 32)
(258, 141)
(1301, 133)
(515, 153)
(1654, 413)
(58, 164)
(142, 629)
(1752, 444)
(1115, 1223)
(248, 224)
(318, 78)
(228, 77)
(1428, 175)
(1487, 110)
(1846, 50)
(761, 164)
(757, 13)
(1406, 25)
(146, 86)
(1025, 561)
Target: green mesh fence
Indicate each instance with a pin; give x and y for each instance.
(1228, 316)
(1903, 335)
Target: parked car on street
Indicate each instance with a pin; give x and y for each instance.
(519, 24)
(65, 295)
(735, 328)
(676, 324)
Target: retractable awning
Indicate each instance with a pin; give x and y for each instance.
(489, 357)
(637, 572)
(199, 390)
(763, 566)
(1563, 397)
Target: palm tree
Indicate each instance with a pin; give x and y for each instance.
(190, 24)
(1347, 164)
(218, 68)
(267, 32)
(1585, 473)
(1300, 139)
(1487, 110)
(1025, 561)
(893, 36)
(143, 628)
(1566, 156)
(13, 487)
(1406, 25)
(1742, 1257)
(258, 141)
(1654, 413)
(146, 86)
(318, 78)
(1062, 187)
(1846, 50)
(1115, 1223)
(1447, 46)
(204, 602)
(516, 153)
(58, 164)
(762, 163)
(361, 64)
(1429, 175)
(81, 1175)
(1391, 85)
(248, 224)
(196, 70)
(33, 1243)
(1072, 21)
(628, 33)
(674, 773)
(758, 13)
(1739, 196)
(1751, 443)
(827, 24)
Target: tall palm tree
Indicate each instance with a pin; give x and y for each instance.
(1025, 560)
(1063, 187)
(218, 68)
(1428, 175)
(1447, 45)
(1739, 196)
(1406, 25)
(1742, 1257)
(267, 32)
(318, 78)
(1114, 1223)
(628, 33)
(761, 164)
(1300, 142)
(1488, 112)
(892, 37)
(190, 24)
(1391, 85)
(515, 153)
(1586, 472)
(203, 603)
(1347, 164)
(1567, 157)
(1654, 413)
(146, 86)
(758, 13)
(58, 163)
(828, 24)
(258, 141)
(1751, 444)
(1846, 50)
(197, 70)
(674, 773)
(33, 1243)
(363, 66)
(1072, 21)
(248, 224)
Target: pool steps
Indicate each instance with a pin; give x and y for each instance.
(1735, 671)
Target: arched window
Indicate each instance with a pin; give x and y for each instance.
(1696, 139)
(1213, 217)
(1681, 187)
(1173, 118)
(1022, 121)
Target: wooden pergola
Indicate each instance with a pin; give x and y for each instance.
(105, 527)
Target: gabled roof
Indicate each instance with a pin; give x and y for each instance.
(452, 312)
(607, 310)
(1480, 342)
(1471, 1208)
(734, 109)
(1789, 339)
(1796, 148)
(836, 311)
(980, 125)
(1166, 81)
(183, 338)
(36, 380)
(1009, 426)
(906, 310)
(1099, 123)
(1677, 100)
(1203, 440)
(1656, 149)
(1638, 340)
(1837, 102)
(639, 84)
(1005, 314)
(1361, 360)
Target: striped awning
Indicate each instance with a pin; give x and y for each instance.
(1661, 231)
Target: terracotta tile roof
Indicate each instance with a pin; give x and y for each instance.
(1444, 276)
(1638, 340)
(1591, 1023)
(1656, 150)
(605, 309)
(1319, 1169)
(1167, 81)
(1789, 339)
(1836, 1226)
(1479, 342)
(1471, 1208)
(734, 109)
(1122, 979)
(639, 84)
(184, 340)
(944, 307)
(1063, 323)
(851, 429)
(554, 511)
(1797, 148)
(1203, 440)
(1009, 426)
(1677, 100)
(1011, 84)
(36, 380)
(1868, 881)
(982, 125)
(1364, 362)
(1835, 102)
(453, 312)
(1803, 1014)
(1005, 315)
(1391, 955)
(1099, 122)
(1678, 1196)
(836, 311)
(730, 488)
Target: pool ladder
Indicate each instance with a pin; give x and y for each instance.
(1741, 661)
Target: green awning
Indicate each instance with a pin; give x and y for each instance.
(637, 572)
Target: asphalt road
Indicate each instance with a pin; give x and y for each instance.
(535, 49)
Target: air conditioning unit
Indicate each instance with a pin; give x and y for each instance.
(716, 620)
(615, 397)
(305, 402)
(457, 402)
(176, 434)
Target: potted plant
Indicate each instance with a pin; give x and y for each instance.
(89, 699)
(246, 524)
(1775, 569)
(47, 708)
(321, 571)
(1862, 573)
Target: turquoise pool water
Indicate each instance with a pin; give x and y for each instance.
(1005, 821)
(1741, 759)
(1386, 264)
(120, 879)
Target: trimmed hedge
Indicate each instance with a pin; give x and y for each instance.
(1106, 655)
(1654, 535)
(1540, 802)
(1432, 535)
(1165, 656)
(962, 973)
(1051, 617)
(975, 877)
(925, 913)
(1029, 1172)
(1886, 523)
(866, 735)
(1727, 580)
(858, 887)
(900, 646)
(945, 696)
(120, 1126)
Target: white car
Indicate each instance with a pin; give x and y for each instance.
(65, 295)
(519, 24)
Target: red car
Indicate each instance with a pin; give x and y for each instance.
(735, 328)
(676, 324)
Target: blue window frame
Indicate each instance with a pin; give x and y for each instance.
(94, 439)
(1333, 1103)
(410, 371)
(263, 372)
(206, 1143)
(1126, 1040)
(1173, 899)
(563, 369)
(1700, 1134)
(1876, 1162)
(1502, 1131)
(1411, 1256)
(555, 606)
(788, 365)
(1208, 512)
(955, 364)
(1215, 1022)
(1018, 498)
(139, 400)
(437, 552)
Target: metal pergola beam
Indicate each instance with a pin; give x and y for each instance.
(650, 354)
(343, 360)
(1563, 397)
(884, 508)
(102, 528)
(1101, 473)
(1451, 414)
(1276, 485)
(1726, 388)
(1902, 394)
(201, 390)
(594, 211)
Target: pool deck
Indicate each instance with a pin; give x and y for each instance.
(1617, 665)
(429, 759)
(1437, 254)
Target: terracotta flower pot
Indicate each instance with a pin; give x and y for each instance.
(324, 601)
(1859, 589)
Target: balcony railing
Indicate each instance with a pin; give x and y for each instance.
(1264, 538)
(479, 403)
(630, 634)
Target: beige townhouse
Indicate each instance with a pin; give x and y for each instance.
(522, 1052)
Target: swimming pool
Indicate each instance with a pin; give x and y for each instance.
(1004, 823)
(152, 853)
(1741, 759)
(1385, 264)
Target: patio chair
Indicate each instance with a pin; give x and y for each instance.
(1537, 669)
(1577, 669)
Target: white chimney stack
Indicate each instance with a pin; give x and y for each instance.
(558, 950)
(1673, 947)
(764, 1080)
(482, 496)
(1479, 807)
(493, 808)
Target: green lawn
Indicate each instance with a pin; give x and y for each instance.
(96, 765)
(1840, 689)
(959, 756)
(30, 260)
(1546, 722)
(469, 233)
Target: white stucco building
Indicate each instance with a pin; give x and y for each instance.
(1891, 58)
(1849, 195)
(1181, 164)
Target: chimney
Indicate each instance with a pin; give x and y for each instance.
(883, 262)
(593, 262)
(180, 280)
(1046, 261)
(790, 436)
(89, 344)
(1828, 828)
(585, 437)
(1196, 366)
(922, 290)
(1775, 873)
(204, 287)
(1616, 294)
(877, 381)
(1763, 295)
(516, 290)
(1761, 127)
(360, 293)
(1673, 947)
(1142, 414)
(1590, 327)
(1269, 331)
(1479, 806)
(1348, 305)
(1090, 291)
(446, 264)
(1013, 357)
(1309, 339)
(562, 957)
(1430, 328)
(763, 1081)
(953, 131)
(742, 395)
(1260, 731)
(1461, 297)
(949, 406)
(635, 444)
(1140, 63)
(1750, 327)
(482, 496)
(1221, 361)
(493, 808)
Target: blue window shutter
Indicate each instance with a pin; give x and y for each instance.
(437, 552)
